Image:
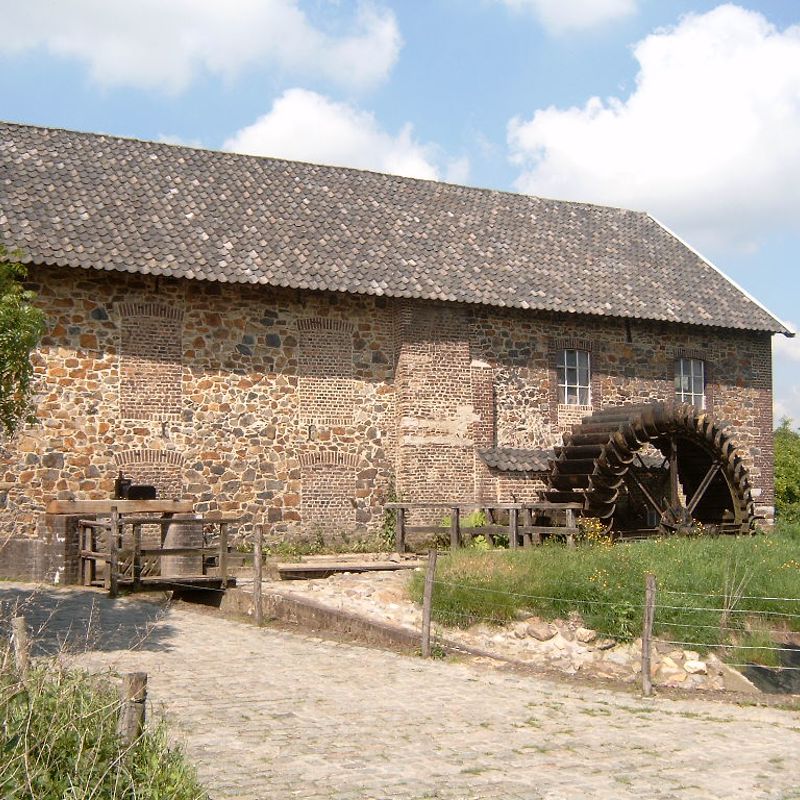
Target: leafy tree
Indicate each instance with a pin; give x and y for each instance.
(21, 327)
(787, 472)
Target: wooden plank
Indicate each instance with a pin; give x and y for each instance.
(647, 631)
(133, 697)
(137, 556)
(183, 551)
(113, 561)
(258, 564)
(553, 530)
(400, 529)
(223, 554)
(479, 529)
(332, 567)
(427, 604)
(94, 554)
(179, 580)
(553, 506)
(455, 528)
(122, 506)
(513, 528)
(427, 529)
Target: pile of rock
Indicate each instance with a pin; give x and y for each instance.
(566, 645)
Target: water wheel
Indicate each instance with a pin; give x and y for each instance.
(654, 467)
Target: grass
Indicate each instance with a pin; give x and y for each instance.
(58, 740)
(605, 584)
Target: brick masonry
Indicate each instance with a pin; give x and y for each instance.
(307, 408)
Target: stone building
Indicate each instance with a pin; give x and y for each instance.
(300, 342)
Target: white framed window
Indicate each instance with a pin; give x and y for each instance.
(690, 382)
(573, 373)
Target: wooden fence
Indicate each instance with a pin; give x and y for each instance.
(528, 523)
(123, 560)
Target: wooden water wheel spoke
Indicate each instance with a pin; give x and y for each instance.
(674, 480)
(701, 478)
(655, 505)
(701, 489)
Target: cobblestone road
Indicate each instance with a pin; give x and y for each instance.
(270, 715)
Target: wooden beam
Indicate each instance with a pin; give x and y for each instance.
(643, 489)
(701, 489)
(674, 495)
(122, 506)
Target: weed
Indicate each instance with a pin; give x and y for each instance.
(58, 739)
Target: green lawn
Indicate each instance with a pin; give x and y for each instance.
(696, 579)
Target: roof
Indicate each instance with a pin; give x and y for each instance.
(95, 201)
(512, 459)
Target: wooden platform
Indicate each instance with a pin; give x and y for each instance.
(301, 570)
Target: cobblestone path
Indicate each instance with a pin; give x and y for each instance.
(270, 715)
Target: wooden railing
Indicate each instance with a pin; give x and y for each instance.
(126, 565)
(521, 527)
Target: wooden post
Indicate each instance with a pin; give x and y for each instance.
(455, 528)
(570, 524)
(258, 566)
(513, 527)
(400, 530)
(86, 544)
(133, 695)
(137, 557)
(223, 554)
(647, 631)
(22, 648)
(113, 554)
(427, 600)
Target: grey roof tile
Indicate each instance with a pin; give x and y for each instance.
(511, 459)
(86, 200)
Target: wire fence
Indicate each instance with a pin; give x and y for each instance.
(731, 625)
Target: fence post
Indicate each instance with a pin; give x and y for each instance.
(258, 566)
(223, 554)
(647, 631)
(400, 530)
(570, 525)
(133, 695)
(22, 648)
(427, 600)
(455, 528)
(513, 527)
(113, 554)
(137, 557)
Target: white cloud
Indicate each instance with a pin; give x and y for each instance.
(306, 126)
(165, 44)
(559, 16)
(709, 139)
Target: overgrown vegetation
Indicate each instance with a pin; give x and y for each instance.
(713, 580)
(58, 740)
(787, 472)
(21, 327)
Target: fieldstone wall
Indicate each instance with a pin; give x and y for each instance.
(305, 409)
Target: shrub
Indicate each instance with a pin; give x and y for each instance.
(787, 472)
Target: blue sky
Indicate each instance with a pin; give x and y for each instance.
(688, 109)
